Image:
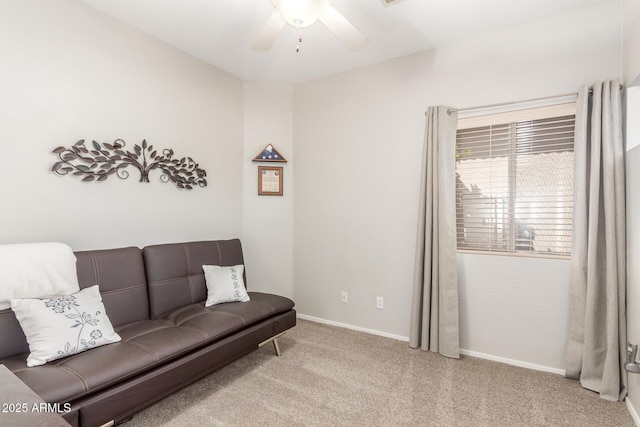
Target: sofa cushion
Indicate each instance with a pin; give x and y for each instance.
(57, 327)
(220, 320)
(145, 344)
(174, 271)
(121, 277)
(64, 380)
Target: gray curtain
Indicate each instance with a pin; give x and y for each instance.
(434, 310)
(596, 350)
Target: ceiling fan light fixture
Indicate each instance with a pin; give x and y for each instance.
(301, 13)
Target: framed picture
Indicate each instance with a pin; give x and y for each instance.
(270, 180)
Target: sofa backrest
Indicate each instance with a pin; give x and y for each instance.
(121, 277)
(13, 339)
(174, 271)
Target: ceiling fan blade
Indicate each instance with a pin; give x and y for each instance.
(267, 36)
(343, 29)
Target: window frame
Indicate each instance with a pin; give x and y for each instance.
(510, 116)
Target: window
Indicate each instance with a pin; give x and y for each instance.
(514, 182)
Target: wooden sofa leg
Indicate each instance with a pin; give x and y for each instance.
(274, 340)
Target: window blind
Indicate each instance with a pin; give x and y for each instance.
(514, 186)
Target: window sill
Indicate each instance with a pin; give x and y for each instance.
(515, 254)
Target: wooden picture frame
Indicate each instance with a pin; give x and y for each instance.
(270, 180)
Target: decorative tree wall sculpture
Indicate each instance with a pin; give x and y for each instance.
(109, 159)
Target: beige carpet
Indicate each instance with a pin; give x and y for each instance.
(329, 376)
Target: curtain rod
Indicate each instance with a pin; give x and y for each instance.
(500, 104)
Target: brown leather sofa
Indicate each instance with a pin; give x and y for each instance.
(154, 298)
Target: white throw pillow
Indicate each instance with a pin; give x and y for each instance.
(57, 327)
(224, 284)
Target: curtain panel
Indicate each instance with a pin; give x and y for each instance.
(596, 350)
(434, 310)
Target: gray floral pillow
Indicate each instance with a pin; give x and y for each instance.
(61, 326)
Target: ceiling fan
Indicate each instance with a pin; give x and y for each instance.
(302, 14)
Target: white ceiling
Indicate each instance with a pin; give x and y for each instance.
(220, 32)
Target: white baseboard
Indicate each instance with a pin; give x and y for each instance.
(353, 328)
(462, 351)
(513, 362)
(632, 411)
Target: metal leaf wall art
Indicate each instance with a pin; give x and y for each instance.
(106, 159)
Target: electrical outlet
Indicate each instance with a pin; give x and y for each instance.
(380, 303)
(345, 296)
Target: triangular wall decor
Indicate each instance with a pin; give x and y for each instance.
(269, 154)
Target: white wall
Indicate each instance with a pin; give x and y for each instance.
(633, 244)
(631, 52)
(632, 78)
(358, 137)
(70, 73)
(268, 220)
